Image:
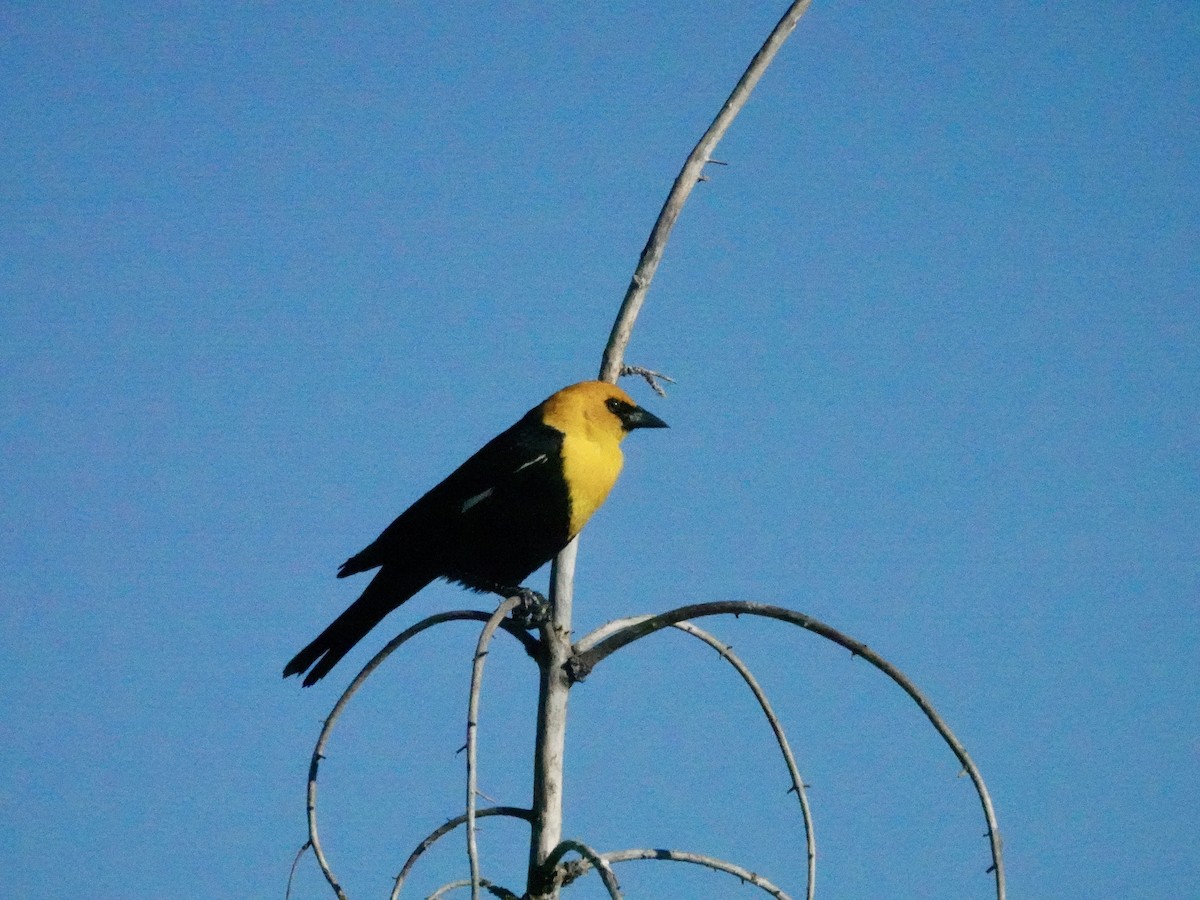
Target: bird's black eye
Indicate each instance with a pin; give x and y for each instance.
(616, 406)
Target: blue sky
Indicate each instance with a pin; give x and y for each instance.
(270, 271)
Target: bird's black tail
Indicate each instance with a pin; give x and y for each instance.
(387, 590)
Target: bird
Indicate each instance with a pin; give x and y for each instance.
(496, 519)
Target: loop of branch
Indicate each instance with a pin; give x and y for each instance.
(441, 831)
(590, 650)
(729, 656)
(494, 889)
(481, 651)
(532, 647)
(699, 859)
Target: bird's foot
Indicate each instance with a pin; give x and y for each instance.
(532, 611)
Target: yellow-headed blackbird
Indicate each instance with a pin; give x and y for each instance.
(501, 515)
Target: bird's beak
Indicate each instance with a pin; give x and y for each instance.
(639, 418)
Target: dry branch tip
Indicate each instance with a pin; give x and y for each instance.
(651, 377)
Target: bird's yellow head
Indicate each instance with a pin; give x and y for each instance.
(600, 410)
(594, 417)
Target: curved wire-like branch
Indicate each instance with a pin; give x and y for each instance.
(287, 895)
(729, 656)
(494, 889)
(595, 859)
(515, 812)
(701, 155)
(589, 652)
(711, 862)
(481, 652)
(532, 647)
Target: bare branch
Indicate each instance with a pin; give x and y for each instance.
(596, 860)
(698, 859)
(797, 782)
(589, 652)
(481, 652)
(532, 647)
(494, 889)
(550, 742)
(635, 295)
(287, 895)
(515, 812)
(592, 638)
(650, 376)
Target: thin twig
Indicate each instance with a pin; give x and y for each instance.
(481, 652)
(494, 889)
(588, 653)
(729, 656)
(650, 377)
(287, 895)
(531, 647)
(515, 812)
(711, 862)
(601, 865)
(635, 295)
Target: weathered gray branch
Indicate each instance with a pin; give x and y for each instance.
(287, 894)
(481, 652)
(595, 859)
(603, 642)
(441, 831)
(531, 647)
(693, 167)
(494, 889)
(682, 856)
(729, 656)
(554, 687)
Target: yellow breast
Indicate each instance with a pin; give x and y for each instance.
(590, 467)
(591, 449)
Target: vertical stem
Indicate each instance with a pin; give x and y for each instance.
(552, 724)
(556, 636)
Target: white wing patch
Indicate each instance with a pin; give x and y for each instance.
(478, 498)
(540, 458)
(483, 495)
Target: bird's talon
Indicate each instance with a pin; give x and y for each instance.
(532, 611)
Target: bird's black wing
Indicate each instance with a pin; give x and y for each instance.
(491, 519)
(494, 520)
